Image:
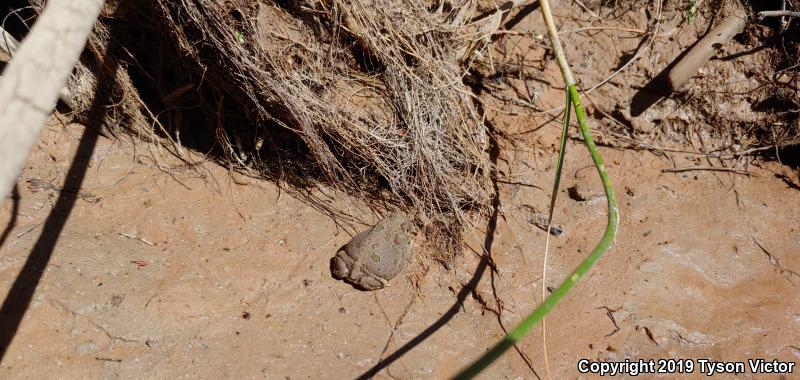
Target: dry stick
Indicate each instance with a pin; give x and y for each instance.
(32, 81)
(591, 28)
(778, 14)
(703, 50)
(705, 168)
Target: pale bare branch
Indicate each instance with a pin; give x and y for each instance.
(33, 80)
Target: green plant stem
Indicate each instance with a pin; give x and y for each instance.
(606, 241)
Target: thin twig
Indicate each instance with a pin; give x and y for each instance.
(136, 238)
(509, 182)
(764, 14)
(705, 168)
(30, 229)
(108, 359)
(615, 28)
(587, 9)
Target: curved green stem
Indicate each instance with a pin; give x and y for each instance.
(607, 240)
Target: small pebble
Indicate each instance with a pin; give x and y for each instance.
(86, 347)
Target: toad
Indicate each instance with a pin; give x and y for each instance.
(375, 256)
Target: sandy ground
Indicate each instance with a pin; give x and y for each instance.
(161, 271)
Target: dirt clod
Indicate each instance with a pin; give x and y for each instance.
(583, 192)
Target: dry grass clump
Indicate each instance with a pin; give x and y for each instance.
(365, 96)
(371, 89)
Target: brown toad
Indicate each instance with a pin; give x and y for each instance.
(374, 256)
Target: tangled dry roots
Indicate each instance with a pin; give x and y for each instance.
(372, 88)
